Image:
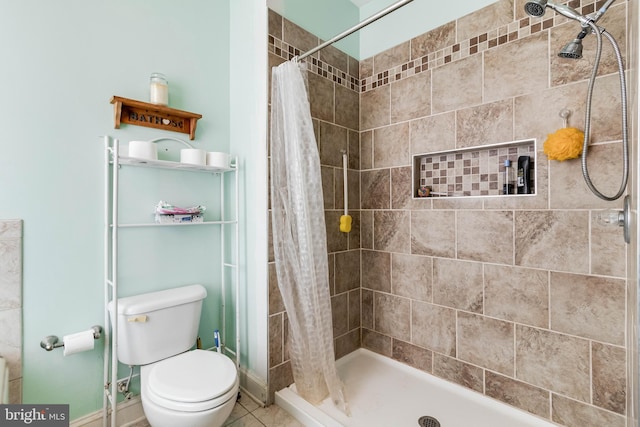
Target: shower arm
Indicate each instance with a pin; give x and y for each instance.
(598, 14)
(569, 12)
(593, 18)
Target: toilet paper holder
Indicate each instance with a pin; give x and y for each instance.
(52, 341)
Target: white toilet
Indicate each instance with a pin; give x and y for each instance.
(179, 386)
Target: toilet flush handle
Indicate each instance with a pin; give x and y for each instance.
(140, 319)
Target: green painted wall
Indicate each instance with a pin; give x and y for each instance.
(409, 21)
(325, 19)
(329, 18)
(62, 61)
(248, 107)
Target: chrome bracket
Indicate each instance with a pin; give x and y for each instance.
(626, 220)
(618, 218)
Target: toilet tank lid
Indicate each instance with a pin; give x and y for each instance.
(144, 303)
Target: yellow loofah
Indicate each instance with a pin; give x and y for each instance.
(564, 144)
(345, 223)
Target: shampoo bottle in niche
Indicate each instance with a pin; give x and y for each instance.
(524, 178)
(508, 180)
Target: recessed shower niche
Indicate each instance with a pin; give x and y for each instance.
(476, 171)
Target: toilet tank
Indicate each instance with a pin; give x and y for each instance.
(157, 325)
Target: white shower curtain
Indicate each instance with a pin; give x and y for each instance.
(299, 237)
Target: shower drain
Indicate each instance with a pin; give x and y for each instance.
(427, 421)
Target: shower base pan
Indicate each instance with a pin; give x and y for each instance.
(384, 392)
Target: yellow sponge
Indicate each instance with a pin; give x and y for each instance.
(345, 223)
(564, 144)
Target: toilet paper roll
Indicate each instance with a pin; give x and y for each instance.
(193, 156)
(218, 159)
(143, 150)
(78, 342)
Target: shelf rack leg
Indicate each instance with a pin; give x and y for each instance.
(236, 262)
(105, 399)
(114, 283)
(109, 399)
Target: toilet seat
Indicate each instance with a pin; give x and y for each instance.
(197, 380)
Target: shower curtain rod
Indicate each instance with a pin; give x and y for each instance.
(352, 30)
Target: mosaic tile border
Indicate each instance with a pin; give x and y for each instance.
(515, 30)
(315, 65)
(471, 172)
(508, 33)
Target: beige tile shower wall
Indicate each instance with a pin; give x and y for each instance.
(11, 303)
(522, 299)
(334, 100)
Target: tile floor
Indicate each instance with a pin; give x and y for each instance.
(248, 413)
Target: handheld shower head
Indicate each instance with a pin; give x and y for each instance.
(535, 7)
(572, 50)
(568, 12)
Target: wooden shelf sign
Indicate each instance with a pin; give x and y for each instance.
(140, 113)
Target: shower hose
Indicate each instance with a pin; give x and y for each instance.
(587, 126)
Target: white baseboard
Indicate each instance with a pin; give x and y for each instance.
(129, 412)
(253, 386)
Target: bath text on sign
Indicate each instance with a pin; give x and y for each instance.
(158, 120)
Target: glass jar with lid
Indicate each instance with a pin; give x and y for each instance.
(158, 89)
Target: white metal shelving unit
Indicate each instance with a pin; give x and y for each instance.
(229, 267)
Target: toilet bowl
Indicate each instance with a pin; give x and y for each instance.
(179, 387)
(197, 388)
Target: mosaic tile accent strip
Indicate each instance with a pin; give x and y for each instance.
(315, 65)
(505, 34)
(476, 172)
(508, 33)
